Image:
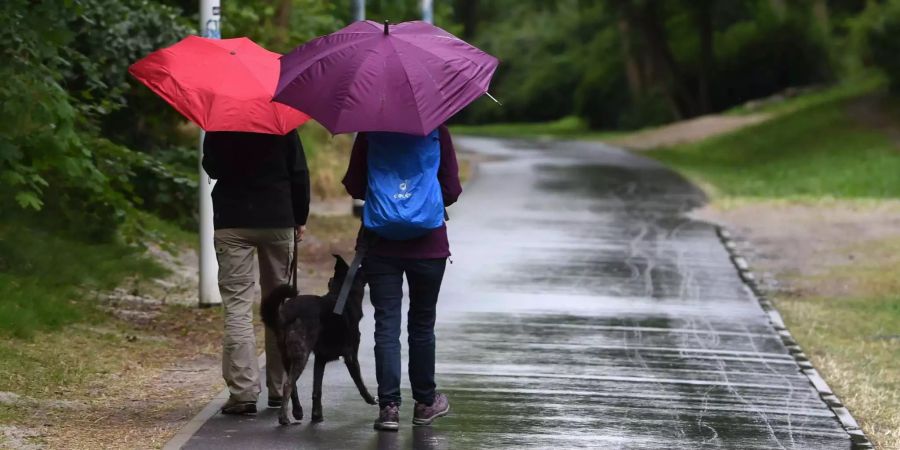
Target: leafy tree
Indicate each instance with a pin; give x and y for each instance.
(64, 71)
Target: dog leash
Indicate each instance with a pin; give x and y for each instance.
(362, 248)
(292, 276)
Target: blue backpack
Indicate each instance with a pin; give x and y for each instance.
(404, 199)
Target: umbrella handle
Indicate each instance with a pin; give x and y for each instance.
(386, 22)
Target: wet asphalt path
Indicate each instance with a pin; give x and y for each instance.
(583, 309)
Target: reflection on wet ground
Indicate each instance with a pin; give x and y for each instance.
(583, 310)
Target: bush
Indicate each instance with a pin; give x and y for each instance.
(884, 43)
(759, 58)
(64, 72)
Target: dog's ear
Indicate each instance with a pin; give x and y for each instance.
(340, 266)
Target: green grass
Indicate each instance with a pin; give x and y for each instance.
(568, 127)
(813, 152)
(46, 278)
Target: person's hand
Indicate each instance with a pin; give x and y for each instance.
(301, 230)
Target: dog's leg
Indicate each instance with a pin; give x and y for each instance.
(318, 373)
(287, 389)
(353, 367)
(294, 375)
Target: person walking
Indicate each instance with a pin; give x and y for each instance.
(260, 206)
(392, 253)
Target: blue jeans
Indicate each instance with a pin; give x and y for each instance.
(385, 278)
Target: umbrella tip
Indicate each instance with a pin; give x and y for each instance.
(386, 22)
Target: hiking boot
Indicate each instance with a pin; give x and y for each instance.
(425, 414)
(388, 418)
(239, 408)
(275, 402)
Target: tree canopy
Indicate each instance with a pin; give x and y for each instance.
(80, 139)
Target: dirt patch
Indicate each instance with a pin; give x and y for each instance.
(135, 380)
(19, 438)
(686, 131)
(793, 245)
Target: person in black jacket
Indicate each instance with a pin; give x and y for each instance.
(260, 203)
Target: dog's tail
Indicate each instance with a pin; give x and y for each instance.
(270, 305)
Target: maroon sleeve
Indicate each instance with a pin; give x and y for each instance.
(448, 171)
(356, 178)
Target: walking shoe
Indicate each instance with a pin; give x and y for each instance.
(388, 418)
(425, 414)
(275, 402)
(239, 408)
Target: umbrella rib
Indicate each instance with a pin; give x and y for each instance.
(409, 83)
(346, 98)
(303, 67)
(466, 57)
(477, 66)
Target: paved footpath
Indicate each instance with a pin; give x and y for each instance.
(583, 309)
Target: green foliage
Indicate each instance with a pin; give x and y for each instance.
(279, 30)
(64, 73)
(569, 56)
(758, 58)
(884, 41)
(542, 56)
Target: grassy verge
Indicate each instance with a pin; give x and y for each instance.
(568, 127)
(815, 153)
(46, 278)
(855, 341)
(67, 361)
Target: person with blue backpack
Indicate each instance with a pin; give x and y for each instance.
(406, 182)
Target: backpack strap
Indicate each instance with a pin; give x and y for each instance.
(368, 239)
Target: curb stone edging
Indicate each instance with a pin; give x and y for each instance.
(187, 431)
(858, 439)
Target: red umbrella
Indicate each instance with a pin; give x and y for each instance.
(220, 84)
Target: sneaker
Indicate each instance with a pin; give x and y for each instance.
(388, 418)
(425, 414)
(275, 402)
(239, 408)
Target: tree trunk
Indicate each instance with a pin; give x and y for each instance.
(703, 17)
(467, 14)
(821, 14)
(282, 22)
(665, 68)
(633, 70)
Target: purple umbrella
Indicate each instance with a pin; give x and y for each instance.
(408, 77)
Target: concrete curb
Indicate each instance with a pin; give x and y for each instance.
(858, 439)
(211, 409)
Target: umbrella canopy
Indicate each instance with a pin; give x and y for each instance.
(406, 78)
(219, 84)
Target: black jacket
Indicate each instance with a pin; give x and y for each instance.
(262, 179)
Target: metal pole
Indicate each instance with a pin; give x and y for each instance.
(210, 16)
(360, 13)
(428, 11)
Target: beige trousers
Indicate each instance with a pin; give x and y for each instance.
(235, 251)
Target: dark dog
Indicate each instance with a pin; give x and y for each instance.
(305, 324)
